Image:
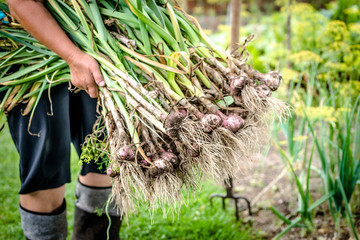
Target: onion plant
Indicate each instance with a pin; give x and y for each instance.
(343, 182)
(336, 143)
(306, 207)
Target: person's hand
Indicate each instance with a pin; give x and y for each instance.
(85, 73)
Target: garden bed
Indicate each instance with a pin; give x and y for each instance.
(268, 183)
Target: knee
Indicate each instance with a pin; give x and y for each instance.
(95, 180)
(43, 201)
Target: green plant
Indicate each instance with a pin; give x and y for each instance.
(342, 179)
(315, 38)
(342, 11)
(306, 207)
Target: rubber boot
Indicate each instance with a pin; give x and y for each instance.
(88, 224)
(44, 226)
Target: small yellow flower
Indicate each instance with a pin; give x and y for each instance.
(288, 74)
(323, 77)
(325, 113)
(351, 88)
(337, 66)
(305, 57)
(207, 31)
(336, 31)
(300, 138)
(223, 28)
(302, 8)
(352, 11)
(340, 47)
(340, 113)
(354, 28)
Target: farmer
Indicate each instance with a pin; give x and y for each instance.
(45, 149)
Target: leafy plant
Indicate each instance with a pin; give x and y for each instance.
(343, 179)
(305, 199)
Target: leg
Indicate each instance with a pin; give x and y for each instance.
(92, 200)
(43, 214)
(94, 186)
(44, 167)
(95, 180)
(43, 201)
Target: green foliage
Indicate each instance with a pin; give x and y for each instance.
(343, 178)
(333, 45)
(326, 112)
(347, 10)
(321, 75)
(93, 149)
(306, 207)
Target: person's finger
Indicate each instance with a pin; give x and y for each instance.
(92, 90)
(99, 79)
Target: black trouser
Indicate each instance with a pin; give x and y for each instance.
(45, 158)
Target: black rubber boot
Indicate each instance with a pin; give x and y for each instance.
(44, 226)
(88, 225)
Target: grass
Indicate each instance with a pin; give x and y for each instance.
(10, 227)
(197, 220)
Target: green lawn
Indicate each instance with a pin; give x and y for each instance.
(198, 220)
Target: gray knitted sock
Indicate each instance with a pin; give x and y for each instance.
(44, 226)
(92, 199)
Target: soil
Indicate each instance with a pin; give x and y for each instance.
(269, 183)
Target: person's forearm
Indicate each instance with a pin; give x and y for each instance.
(36, 19)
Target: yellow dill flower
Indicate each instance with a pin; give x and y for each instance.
(283, 143)
(305, 57)
(337, 66)
(288, 74)
(336, 85)
(343, 110)
(325, 113)
(354, 10)
(223, 28)
(354, 28)
(302, 29)
(295, 139)
(323, 77)
(302, 8)
(340, 113)
(341, 47)
(330, 119)
(207, 31)
(355, 48)
(298, 107)
(355, 84)
(300, 138)
(335, 31)
(278, 52)
(355, 52)
(351, 88)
